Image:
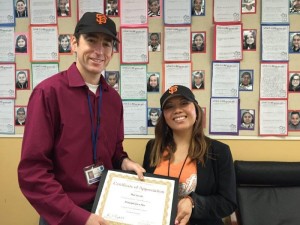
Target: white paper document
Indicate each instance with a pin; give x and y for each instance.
(177, 73)
(7, 116)
(134, 45)
(133, 82)
(227, 10)
(134, 12)
(273, 117)
(228, 42)
(43, 12)
(225, 79)
(7, 81)
(224, 116)
(177, 12)
(177, 44)
(275, 43)
(7, 15)
(135, 117)
(273, 80)
(44, 43)
(7, 44)
(90, 6)
(42, 71)
(274, 11)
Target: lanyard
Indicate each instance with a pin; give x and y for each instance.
(95, 131)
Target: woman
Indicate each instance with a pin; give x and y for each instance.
(198, 43)
(295, 83)
(63, 8)
(204, 167)
(21, 44)
(153, 83)
(64, 44)
(153, 8)
(247, 120)
(249, 40)
(21, 10)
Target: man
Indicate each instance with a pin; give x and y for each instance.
(295, 6)
(294, 123)
(154, 43)
(295, 43)
(198, 80)
(72, 129)
(112, 7)
(22, 82)
(154, 114)
(245, 84)
(21, 116)
(197, 9)
(112, 80)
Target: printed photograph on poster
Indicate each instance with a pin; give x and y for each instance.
(21, 9)
(154, 43)
(198, 79)
(153, 82)
(249, 40)
(112, 8)
(198, 42)
(154, 8)
(63, 8)
(248, 6)
(113, 79)
(198, 7)
(64, 44)
(20, 115)
(294, 120)
(294, 81)
(22, 79)
(246, 80)
(294, 42)
(247, 118)
(153, 115)
(21, 43)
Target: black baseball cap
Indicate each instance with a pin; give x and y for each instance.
(94, 22)
(177, 90)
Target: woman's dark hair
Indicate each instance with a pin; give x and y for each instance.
(244, 113)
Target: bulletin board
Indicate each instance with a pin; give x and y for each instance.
(200, 61)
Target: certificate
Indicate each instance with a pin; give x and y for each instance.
(124, 199)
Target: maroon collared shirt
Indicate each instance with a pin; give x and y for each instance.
(57, 145)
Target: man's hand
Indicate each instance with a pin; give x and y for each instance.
(127, 164)
(96, 220)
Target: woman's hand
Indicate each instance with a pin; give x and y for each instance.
(184, 211)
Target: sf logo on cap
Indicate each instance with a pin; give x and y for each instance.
(101, 18)
(173, 89)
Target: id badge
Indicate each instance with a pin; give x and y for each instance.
(93, 173)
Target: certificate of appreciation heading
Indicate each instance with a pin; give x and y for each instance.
(124, 199)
